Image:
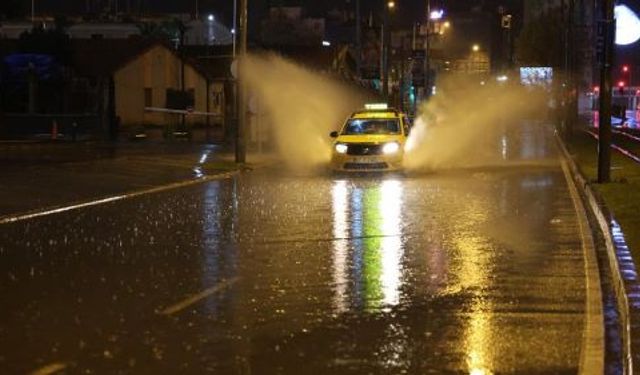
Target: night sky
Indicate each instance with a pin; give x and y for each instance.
(408, 11)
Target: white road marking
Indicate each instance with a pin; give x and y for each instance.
(55, 210)
(49, 369)
(198, 297)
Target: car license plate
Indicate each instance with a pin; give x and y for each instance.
(365, 160)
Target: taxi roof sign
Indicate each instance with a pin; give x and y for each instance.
(376, 106)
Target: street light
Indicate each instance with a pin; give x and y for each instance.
(627, 70)
(386, 39)
(475, 48)
(436, 14)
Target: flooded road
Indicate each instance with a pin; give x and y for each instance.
(470, 270)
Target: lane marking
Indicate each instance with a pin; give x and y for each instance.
(198, 297)
(56, 210)
(592, 348)
(49, 369)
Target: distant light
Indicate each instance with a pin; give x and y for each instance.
(627, 25)
(436, 14)
(326, 43)
(621, 83)
(446, 24)
(596, 88)
(625, 68)
(233, 31)
(502, 78)
(211, 17)
(376, 106)
(482, 83)
(391, 4)
(475, 48)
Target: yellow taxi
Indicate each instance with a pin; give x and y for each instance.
(371, 140)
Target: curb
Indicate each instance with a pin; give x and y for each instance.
(619, 283)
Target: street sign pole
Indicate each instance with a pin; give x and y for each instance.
(604, 125)
(241, 131)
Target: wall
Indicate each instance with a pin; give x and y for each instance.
(159, 69)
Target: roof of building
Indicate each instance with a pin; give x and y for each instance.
(103, 57)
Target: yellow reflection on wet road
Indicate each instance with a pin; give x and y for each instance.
(390, 207)
(473, 272)
(369, 218)
(340, 243)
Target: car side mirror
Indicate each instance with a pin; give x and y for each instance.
(333, 134)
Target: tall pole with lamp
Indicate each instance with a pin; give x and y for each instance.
(386, 38)
(358, 41)
(604, 126)
(241, 134)
(427, 54)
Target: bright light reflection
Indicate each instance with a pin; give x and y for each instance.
(340, 240)
(503, 143)
(627, 25)
(390, 208)
(478, 333)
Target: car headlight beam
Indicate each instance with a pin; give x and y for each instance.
(391, 148)
(341, 148)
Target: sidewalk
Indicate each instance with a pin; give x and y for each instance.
(615, 217)
(622, 195)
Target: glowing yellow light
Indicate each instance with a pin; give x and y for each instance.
(391, 4)
(475, 48)
(376, 106)
(447, 24)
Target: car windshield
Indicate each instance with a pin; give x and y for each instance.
(371, 126)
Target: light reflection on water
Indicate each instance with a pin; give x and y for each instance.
(340, 235)
(370, 216)
(473, 272)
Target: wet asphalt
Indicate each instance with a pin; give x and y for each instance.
(467, 270)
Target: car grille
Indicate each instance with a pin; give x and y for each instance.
(365, 166)
(364, 149)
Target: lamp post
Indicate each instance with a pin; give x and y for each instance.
(358, 42)
(241, 133)
(432, 15)
(604, 126)
(626, 70)
(386, 37)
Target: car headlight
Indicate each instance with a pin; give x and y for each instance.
(391, 148)
(341, 148)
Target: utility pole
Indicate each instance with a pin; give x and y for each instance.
(241, 134)
(604, 129)
(427, 54)
(386, 26)
(235, 27)
(358, 41)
